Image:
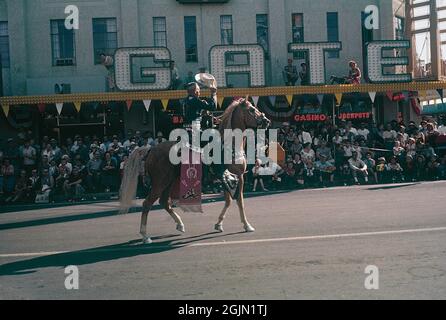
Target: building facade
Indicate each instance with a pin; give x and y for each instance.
(38, 52)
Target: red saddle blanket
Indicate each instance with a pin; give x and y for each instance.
(186, 191)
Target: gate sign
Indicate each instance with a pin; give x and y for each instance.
(316, 57)
(138, 69)
(376, 61)
(248, 59)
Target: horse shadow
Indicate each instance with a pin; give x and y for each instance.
(118, 251)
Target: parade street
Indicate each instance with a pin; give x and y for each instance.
(308, 244)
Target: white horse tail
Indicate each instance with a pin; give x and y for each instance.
(134, 166)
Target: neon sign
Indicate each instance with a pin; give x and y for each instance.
(139, 69)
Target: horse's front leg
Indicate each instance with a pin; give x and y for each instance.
(241, 206)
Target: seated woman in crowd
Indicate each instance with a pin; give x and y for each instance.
(409, 168)
(73, 185)
(371, 166)
(326, 169)
(109, 173)
(256, 173)
(394, 170)
(21, 188)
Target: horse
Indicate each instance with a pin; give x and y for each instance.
(241, 114)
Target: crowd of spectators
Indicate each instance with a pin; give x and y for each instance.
(326, 155)
(41, 172)
(318, 155)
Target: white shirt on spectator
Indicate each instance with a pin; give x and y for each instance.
(308, 156)
(364, 132)
(271, 169)
(387, 135)
(348, 151)
(305, 137)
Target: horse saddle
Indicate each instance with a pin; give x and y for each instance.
(230, 183)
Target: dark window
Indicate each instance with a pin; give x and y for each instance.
(263, 32)
(4, 44)
(159, 32)
(399, 28)
(63, 44)
(105, 37)
(367, 36)
(297, 24)
(190, 37)
(226, 30)
(333, 31)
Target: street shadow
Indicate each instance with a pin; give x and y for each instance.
(392, 186)
(123, 250)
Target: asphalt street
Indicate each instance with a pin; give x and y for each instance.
(310, 244)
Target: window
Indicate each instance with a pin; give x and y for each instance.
(159, 32)
(367, 36)
(399, 28)
(226, 30)
(190, 37)
(63, 44)
(4, 44)
(333, 31)
(105, 37)
(262, 32)
(298, 32)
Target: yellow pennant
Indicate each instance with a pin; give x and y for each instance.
(165, 102)
(6, 109)
(77, 105)
(289, 99)
(422, 94)
(338, 97)
(220, 102)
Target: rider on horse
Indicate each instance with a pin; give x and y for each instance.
(194, 105)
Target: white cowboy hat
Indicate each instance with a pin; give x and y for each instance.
(206, 79)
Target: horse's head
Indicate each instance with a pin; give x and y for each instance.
(252, 117)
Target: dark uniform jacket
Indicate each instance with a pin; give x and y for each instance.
(193, 107)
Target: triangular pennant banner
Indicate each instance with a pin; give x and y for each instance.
(5, 109)
(320, 98)
(338, 97)
(129, 104)
(272, 99)
(289, 98)
(59, 107)
(147, 104)
(165, 102)
(255, 99)
(77, 105)
(41, 107)
(220, 101)
(372, 95)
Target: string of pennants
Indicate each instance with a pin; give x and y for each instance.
(147, 103)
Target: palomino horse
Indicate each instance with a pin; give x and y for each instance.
(241, 114)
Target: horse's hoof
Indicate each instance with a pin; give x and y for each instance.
(249, 228)
(146, 240)
(218, 227)
(180, 227)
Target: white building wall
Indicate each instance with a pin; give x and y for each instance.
(31, 58)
